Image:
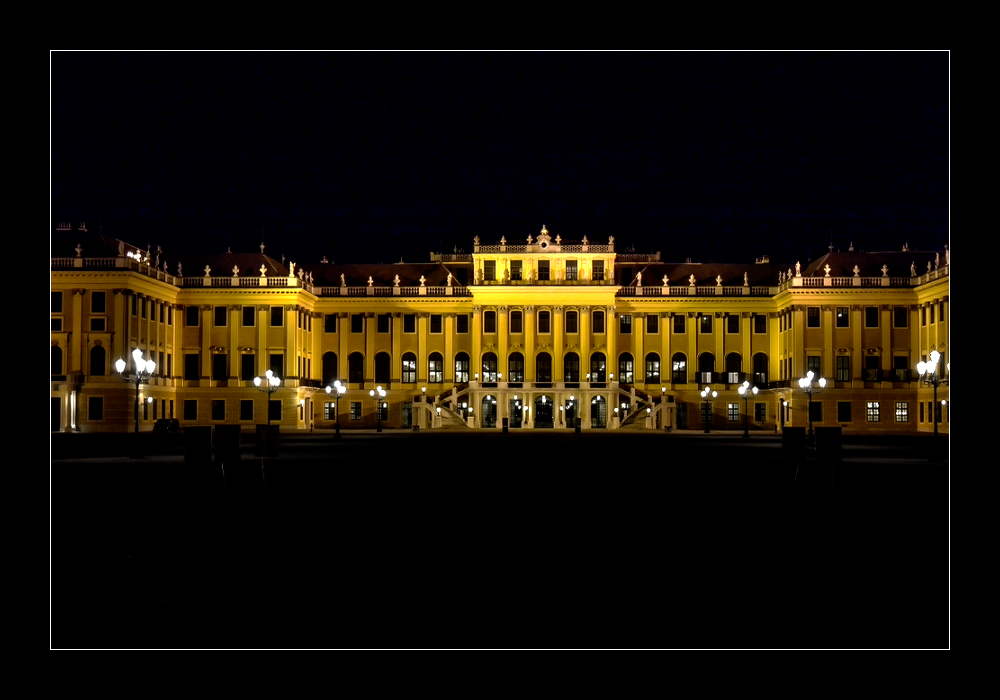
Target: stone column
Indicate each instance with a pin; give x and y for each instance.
(449, 348)
(558, 331)
(529, 344)
(395, 371)
(639, 332)
(422, 348)
(232, 349)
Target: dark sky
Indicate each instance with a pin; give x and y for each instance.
(368, 157)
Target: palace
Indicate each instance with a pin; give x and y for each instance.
(543, 333)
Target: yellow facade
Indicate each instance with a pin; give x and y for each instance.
(539, 334)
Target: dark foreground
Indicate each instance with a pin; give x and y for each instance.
(518, 541)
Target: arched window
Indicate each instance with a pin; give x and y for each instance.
(626, 368)
(652, 368)
(679, 368)
(461, 368)
(706, 367)
(734, 365)
(383, 367)
(515, 367)
(98, 361)
(56, 359)
(489, 368)
(598, 367)
(488, 412)
(435, 368)
(571, 367)
(409, 368)
(760, 369)
(543, 367)
(331, 370)
(356, 368)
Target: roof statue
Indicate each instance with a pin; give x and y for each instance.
(291, 268)
(475, 241)
(180, 270)
(746, 279)
(208, 270)
(856, 271)
(798, 269)
(718, 280)
(691, 280)
(928, 265)
(236, 270)
(947, 257)
(638, 279)
(263, 271)
(937, 260)
(121, 248)
(584, 241)
(79, 249)
(503, 240)
(370, 281)
(449, 279)
(885, 270)
(343, 282)
(666, 281)
(913, 269)
(422, 280)
(611, 240)
(395, 281)
(781, 277)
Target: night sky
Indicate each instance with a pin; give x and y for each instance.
(373, 157)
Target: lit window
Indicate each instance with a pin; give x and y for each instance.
(873, 411)
(733, 411)
(355, 410)
(843, 317)
(902, 412)
(571, 270)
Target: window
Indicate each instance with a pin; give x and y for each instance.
(247, 366)
(277, 365)
(383, 321)
(435, 368)
(625, 368)
(732, 323)
(733, 411)
(923, 315)
(816, 411)
(543, 270)
(597, 266)
(382, 410)
(705, 323)
(436, 323)
(598, 367)
(95, 408)
(409, 323)
(760, 369)
(652, 323)
(843, 411)
(218, 409)
(597, 321)
(190, 409)
(872, 411)
(516, 322)
(871, 317)
(249, 316)
(97, 325)
(461, 368)
(652, 368)
(812, 364)
(56, 324)
(921, 405)
(843, 368)
(624, 324)
(900, 367)
(330, 410)
(759, 412)
(489, 367)
(355, 410)
(812, 317)
(571, 367)
(489, 322)
(277, 316)
(899, 314)
(734, 367)
(516, 269)
(382, 367)
(329, 323)
(572, 322)
(544, 322)
(191, 366)
(246, 409)
(220, 316)
(170, 315)
(462, 323)
(843, 317)
(134, 304)
(489, 270)
(515, 367)
(219, 362)
(274, 410)
(357, 323)
(190, 316)
(930, 313)
(355, 368)
(56, 359)
(98, 302)
(571, 270)
(543, 367)
(409, 368)
(940, 312)
(679, 370)
(759, 323)
(873, 373)
(679, 323)
(57, 302)
(142, 307)
(902, 412)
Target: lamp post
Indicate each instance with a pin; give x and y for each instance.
(747, 392)
(341, 390)
(143, 372)
(809, 387)
(929, 375)
(706, 409)
(270, 383)
(378, 393)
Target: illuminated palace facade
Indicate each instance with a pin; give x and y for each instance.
(542, 333)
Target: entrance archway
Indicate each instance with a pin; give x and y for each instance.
(543, 412)
(598, 412)
(488, 412)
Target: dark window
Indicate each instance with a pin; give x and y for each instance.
(733, 411)
(191, 366)
(843, 317)
(277, 316)
(760, 369)
(679, 323)
(190, 316)
(543, 270)
(940, 312)
(930, 312)
(571, 367)
(571, 270)
(248, 366)
(357, 323)
(812, 364)
(598, 367)
(759, 412)
(899, 314)
(95, 408)
(598, 270)
(331, 370)
(515, 367)
(843, 368)
(142, 307)
(597, 320)
(436, 324)
(759, 323)
(98, 361)
(516, 267)
(409, 368)
(652, 323)
(462, 323)
(98, 303)
(625, 323)
(355, 410)
(246, 409)
(330, 323)
(383, 323)
(409, 323)
(923, 315)
(356, 368)
(489, 270)
(249, 316)
(277, 365)
(56, 359)
(572, 322)
(489, 322)
(98, 324)
(812, 317)
(190, 409)
(871, 317)
(705, 323)
(274, 409)
(218, 409)
(816, 412)
(544, 322)
(516, 322)
(843, 411)
(219, 367)
(382, 367)
(57, 302)
(543, 367)
(170, 315)
(382, 410)
(57, 324)
(652, 368)
(220, 316)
